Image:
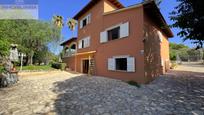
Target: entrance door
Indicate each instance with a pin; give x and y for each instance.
(85, 66)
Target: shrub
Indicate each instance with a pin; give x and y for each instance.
(1, 69)
(59, 66)
(133, 83)
(173, 65)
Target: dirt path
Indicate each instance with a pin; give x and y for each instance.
(191, 67)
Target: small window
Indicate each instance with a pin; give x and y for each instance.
(121, 64)
(84, 22)
(114, 34)
(82, 43)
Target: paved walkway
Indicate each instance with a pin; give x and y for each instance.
(177, 93)
(32, 95)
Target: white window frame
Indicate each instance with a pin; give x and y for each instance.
(86, 42)
(87, 18)
(130, 63)
(123, 33)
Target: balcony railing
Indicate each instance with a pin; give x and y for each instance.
(69, 53)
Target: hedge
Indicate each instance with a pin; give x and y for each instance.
(59, 65)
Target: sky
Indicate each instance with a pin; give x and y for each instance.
(68, 8)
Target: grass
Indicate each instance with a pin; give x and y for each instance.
(36, 68)
(133, 83)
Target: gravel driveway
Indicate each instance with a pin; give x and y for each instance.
(177, 93)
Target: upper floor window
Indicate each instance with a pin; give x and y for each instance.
(84, 43)
(114, 33)
(85, 21)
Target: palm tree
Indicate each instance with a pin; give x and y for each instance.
(58, 21)
(72, 25)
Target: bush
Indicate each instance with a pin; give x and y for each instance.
(173, 65)
(1, 69)
(133, 83)
(59, 66)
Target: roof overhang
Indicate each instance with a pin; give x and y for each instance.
(153, 11)
(70, 40)
(92, 3)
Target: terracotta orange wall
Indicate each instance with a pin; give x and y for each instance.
(70, 61)
(131, 46)
(165, 53)
(155, 50)
(108, 6)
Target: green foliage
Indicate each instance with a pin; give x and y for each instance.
(1, 69)
(59, 66)
(176, 49)
(188, 16)
(72, 24)
(58, 21)
(174, 65)
(4, 47)
(32, 36)
(36, 68)
(133, 83)
(178, 46)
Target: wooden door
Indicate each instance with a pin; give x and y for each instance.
(85, 66)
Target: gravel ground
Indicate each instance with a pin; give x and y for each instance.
(177, 93)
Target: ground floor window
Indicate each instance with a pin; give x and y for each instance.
(121, 64)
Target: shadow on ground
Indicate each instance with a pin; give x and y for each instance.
(93, 96)
(178, 92)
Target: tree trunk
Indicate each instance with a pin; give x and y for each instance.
(31, 57)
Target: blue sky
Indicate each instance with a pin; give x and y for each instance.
(68, 8)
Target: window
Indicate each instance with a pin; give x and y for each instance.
(114, 34)
(84, 43)
(121, 64)
(85, 21)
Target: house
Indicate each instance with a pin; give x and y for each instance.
(126, 43)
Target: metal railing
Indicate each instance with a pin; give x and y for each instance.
(69, 54)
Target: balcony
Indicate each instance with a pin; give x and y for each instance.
(69, 53)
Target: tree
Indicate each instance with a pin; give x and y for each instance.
(72, 25)
(189, 17)
(30, 35)
(176, 49)
(4, 47)
(58, 21)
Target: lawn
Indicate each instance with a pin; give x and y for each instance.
(37, 68)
